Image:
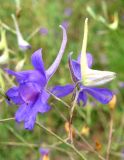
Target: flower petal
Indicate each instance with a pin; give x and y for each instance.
(13, 94)
(37, 61)
(62, 91)
(29, 92)
(74, 69)
(44, 96)
(34, 76)
(44, 107)
(38, 106)
(30, 121)
(41, 103)
(27, 114)
(22, 112)
(52, 69)
(18, 75)
(44, 151)
(82, 97)
(24, 45)
(97, 77)
(28, 76)
(89, 59)
(103, 95)
(75, 66)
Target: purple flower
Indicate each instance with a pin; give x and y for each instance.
(68, 12)
(121, 84)
(44, 153)
(103, 95)
(43, 31)
(65, 24)
(122, 154)
(31, 94)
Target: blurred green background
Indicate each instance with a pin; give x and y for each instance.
(107, 48)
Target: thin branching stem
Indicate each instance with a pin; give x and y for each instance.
(110, 136)
(19, 144)
(60, 139)
(31, 145)
(18, 136)
(58, 99)
(7, 119)
(7, 27)
(33, 33)
(26, 144)
(71, 116)
(81, 137)
(90, 146)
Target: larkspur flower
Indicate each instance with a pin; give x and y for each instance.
(86, 78)
(23, 44)
(121, 84)
(43, 31)
(103, 95)
(31, 92)
(44, 153)
(68, 12)
(65, 24)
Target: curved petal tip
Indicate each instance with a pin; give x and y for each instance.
(61, 26)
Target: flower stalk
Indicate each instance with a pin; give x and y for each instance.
(110, 136)
(71, 117)
(60, 139)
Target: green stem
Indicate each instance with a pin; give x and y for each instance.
(78, 133)
(58, 99)
(19, 144)
(33, 33)
(7, 27)
(74, 104)
(110, 137)
(7, 119)
(71, 116)
(17, 135)
(59, 138)
(31, 145)
(86, 142)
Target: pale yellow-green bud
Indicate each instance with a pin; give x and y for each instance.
(3, 42)
(4, 58)
(20, 65)
(112, 103)
(45, 157)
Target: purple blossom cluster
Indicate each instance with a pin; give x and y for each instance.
(31, 92)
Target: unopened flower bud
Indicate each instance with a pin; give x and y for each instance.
(85, 130)
(112, 103)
